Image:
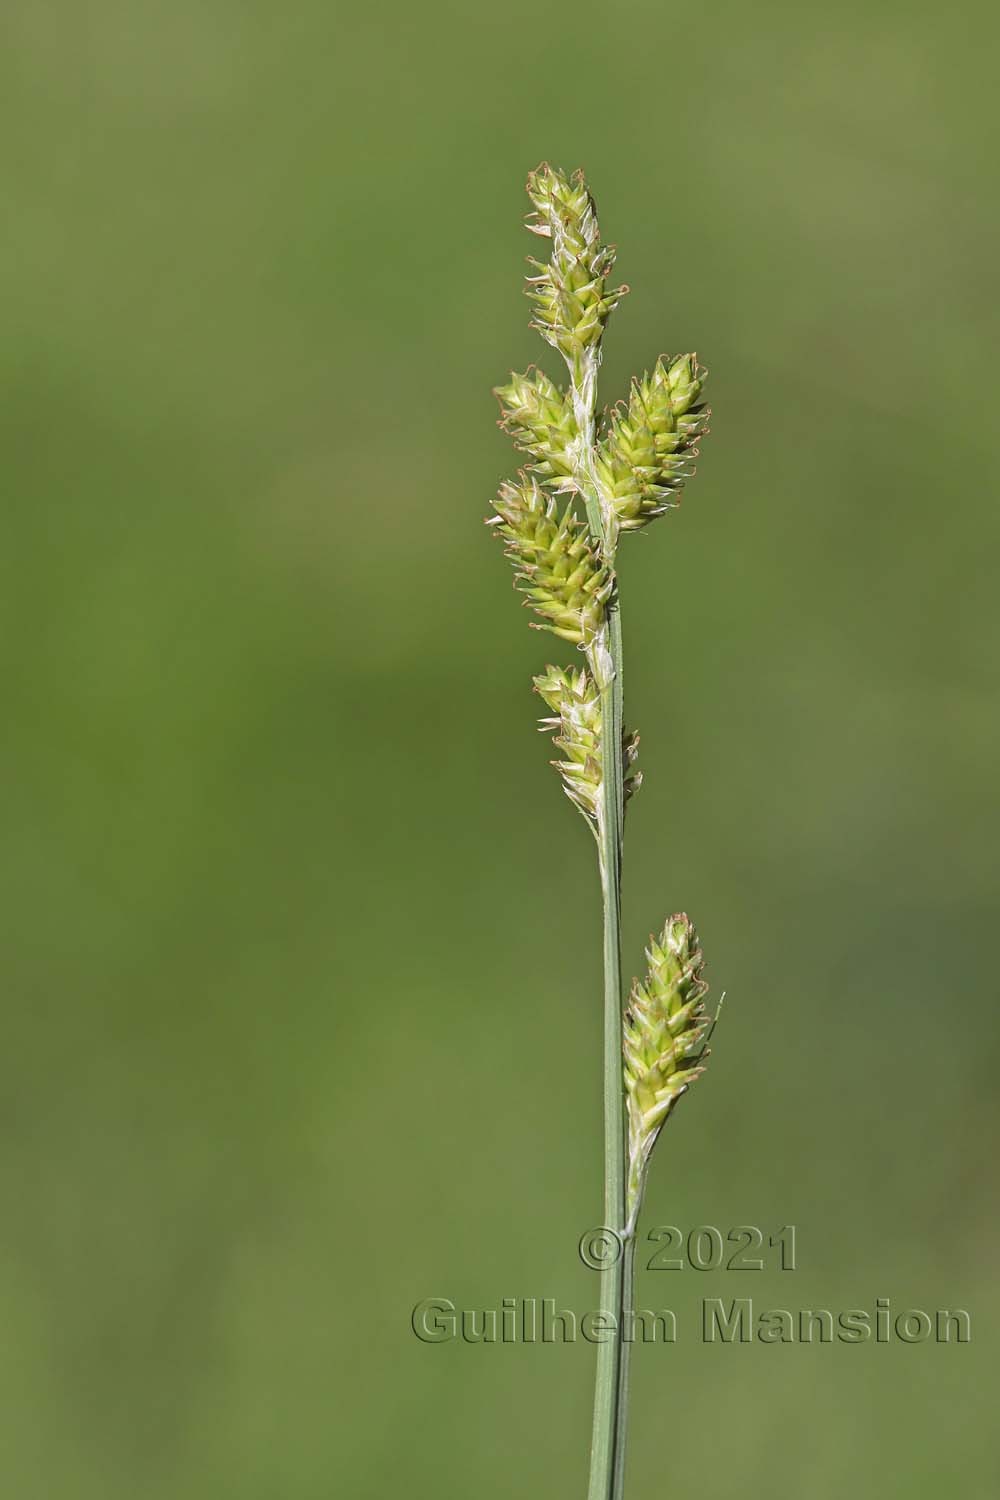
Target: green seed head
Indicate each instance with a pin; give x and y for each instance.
(539, 417)
(664, 1040)
(570, 294)
(648, 451)
(565, 567)
(556, 566)
(575, 703)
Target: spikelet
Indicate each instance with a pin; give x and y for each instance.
(556, 566)
(575, 703)
(663, 1037)
(570, 294)
(539, 417)
(648, 451)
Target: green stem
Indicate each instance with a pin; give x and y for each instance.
(624, 1359)
(610, 1397)
(607, 1453)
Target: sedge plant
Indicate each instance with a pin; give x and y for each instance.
(588, 479)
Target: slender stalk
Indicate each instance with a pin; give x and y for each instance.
(607, 1453)
(608, 1442)
(624, 1359)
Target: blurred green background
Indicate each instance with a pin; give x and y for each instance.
(301, 945)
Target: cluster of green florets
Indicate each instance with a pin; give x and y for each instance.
(570, 294)
(634, 469)
(630, 474)
(557, 568)
(575, 703)
(539, 417)
(664, 1038)
(646, 455)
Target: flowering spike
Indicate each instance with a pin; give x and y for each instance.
(570, 294)
(663, 1039)
(575, 703)
(539, 417)
(559, 572)
(649, 448)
